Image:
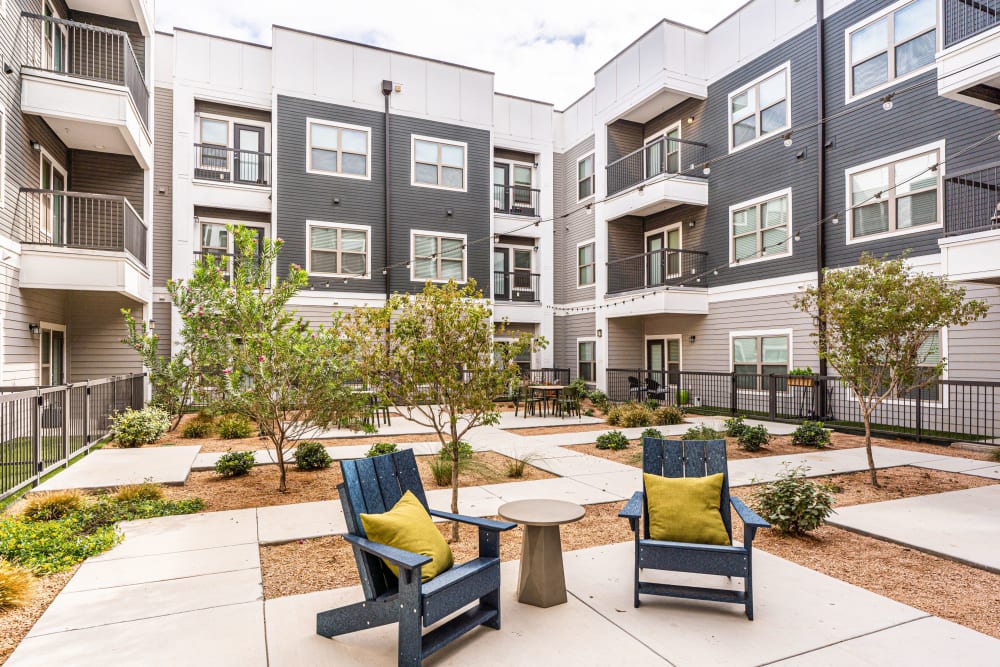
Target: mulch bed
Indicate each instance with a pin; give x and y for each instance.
(17, 621)
(554, 430)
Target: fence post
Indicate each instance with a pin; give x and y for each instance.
(772, 397)
(86, 418)
(65, 430)
(919, 424)
(36, 435)
(733, 396)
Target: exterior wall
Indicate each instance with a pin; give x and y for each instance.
(973, 351)
(567, 329)
(107, 174)
(163, 213)
(94, 335)
(19, 353)
(574, 223)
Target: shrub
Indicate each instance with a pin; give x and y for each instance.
(613, 416)
(16, 585)
(754, 437)
(107, 510)
(441, 471)
(312, 455)
(613, 440)
(632, 415)
(465, 452)
(735, 427)
(380, 448)
(52, 505)
(668, 415)
(793, 504)
(589, 412)
(599, 399)
(811, 434)
(138, 492)
(197, 428)
(516, 465)
(135, 428)
(652, 433)
(995, 455)
(702, 432)
(235, 427)
(651, 403)
(234, 464)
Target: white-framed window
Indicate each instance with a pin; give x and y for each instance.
(928, 356)
(585, 177)
(586, 265)
(214, 143)
(52, 206)
(760, 109)
(52, 353)
(895, 195)
(586, 359)
(759, 228)
(756, 354)
(437, 257)
(214, 239)
(662, 152)
(438, 163)
(339, 250)
(895, 44)
(513, 184)
(338, 149)
(55, 40)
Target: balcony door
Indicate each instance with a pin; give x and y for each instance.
(54, 40)
(218, 242)
(249, 148)
(662, 264)
(663, 360)
(662, 154)
(52, 214)
(512, 276)
(512, 188)
(52, 354)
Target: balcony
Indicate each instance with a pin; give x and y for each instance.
(81, 241)
(968, 69)
(136, 11)
(658, 176)
(516, 286)
(516, 200)
(231, 178)
(660, 268)
(87, 84)
(971, 246)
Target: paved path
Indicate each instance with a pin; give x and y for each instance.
(108, 468)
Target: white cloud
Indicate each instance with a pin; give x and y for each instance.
(547, 49)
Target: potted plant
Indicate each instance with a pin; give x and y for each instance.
(801, 377)
(682, 397)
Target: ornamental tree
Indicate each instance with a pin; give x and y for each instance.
(432, 355)
(874, 323)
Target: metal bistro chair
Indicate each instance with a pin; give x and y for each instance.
(653, 390)
(636, 392)
(373, 486)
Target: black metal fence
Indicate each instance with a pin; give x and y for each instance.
(558, 376)
(515, 200)
(85, 51)
(42, 428)
(221, 164)
(966, 18)
(946, 411)
(972, 200)
(658, 158)
(520, 286)
(659, 268)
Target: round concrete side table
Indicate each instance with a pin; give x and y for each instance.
(542, 581)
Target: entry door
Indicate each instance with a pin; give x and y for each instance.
(249, 147)
(53, 356)
(662, 154)
(663, 359)
(655, 360)
(654, 260)
(524, 290)
(501, 269)
(522, 190)
(501, 191)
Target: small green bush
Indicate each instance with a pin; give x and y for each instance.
(793, 504)
(702, 432)
(138, 492)
(652, 433)
(613, 415)
(107, 510)
(197, 428)
(312, 455)
(441, 471)
(589, 412)
(811, 434)
(668, 415)
(234, 464)
(599, 399)
(465, 452)
(754, 437)
(613, 440)
(735, 427)
(651, 403)
(380, 448)
(51, 505)
(235, 427)
(135, 428)
(16, 585)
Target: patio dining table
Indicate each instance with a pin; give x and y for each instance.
(547, 392)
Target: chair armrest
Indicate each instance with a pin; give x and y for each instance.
(488, 524)
(406, 560)
(748, 516)
(633, 508)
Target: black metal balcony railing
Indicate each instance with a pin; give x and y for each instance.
(515, 200)
(659, 268)
(972, 200)
(966, 18)
(85, 51)
(221, 164)
(80, 220)
(664, 156)
(520, 286)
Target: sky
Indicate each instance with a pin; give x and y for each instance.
(545, 49)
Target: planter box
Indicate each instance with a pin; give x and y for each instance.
(801, 381)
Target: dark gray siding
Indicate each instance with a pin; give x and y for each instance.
(301, 196)
(134, 33)
(516, 156)
(918, 117)
(107, 174)
(259, 115)
(574, 223)
(236, 215)
(623, 137)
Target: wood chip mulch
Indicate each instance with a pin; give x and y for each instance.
(555, 430)
(17, 621)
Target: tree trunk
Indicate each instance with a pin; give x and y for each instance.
(454, 485)
(868, 447)
(279, 450)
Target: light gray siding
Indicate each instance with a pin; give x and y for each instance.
(94, 335)
(573, 224)
(163, 170)
(567, 329)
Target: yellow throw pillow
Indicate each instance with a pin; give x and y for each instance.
(409, 527)
(685, 509)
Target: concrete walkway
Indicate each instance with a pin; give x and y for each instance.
(108, 468)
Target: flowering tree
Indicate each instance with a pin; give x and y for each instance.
(432, 355)
(875, 320)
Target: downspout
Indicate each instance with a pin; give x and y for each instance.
(386, 92)
(821, 407)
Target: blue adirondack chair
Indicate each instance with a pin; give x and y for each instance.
(692, 458)
(374, 485)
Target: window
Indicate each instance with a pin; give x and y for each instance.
(756, 356)
(895, 44)
(586, 353)
(215, 239)
(338, 250)
(585, 177)
(760, 109)
(759, 229)
(438, 163)
(54, 39)
(898, 196)
(340, 150)
(522, 360)
(52, 215)
(214, 135)
(585, 264)
(438, 258)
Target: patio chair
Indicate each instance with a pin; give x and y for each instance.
(636, 392)
(373, 486)
(528, 400)
(653, 390)
(692, 458)
(568, 402)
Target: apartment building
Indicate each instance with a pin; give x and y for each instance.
(76, 157)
